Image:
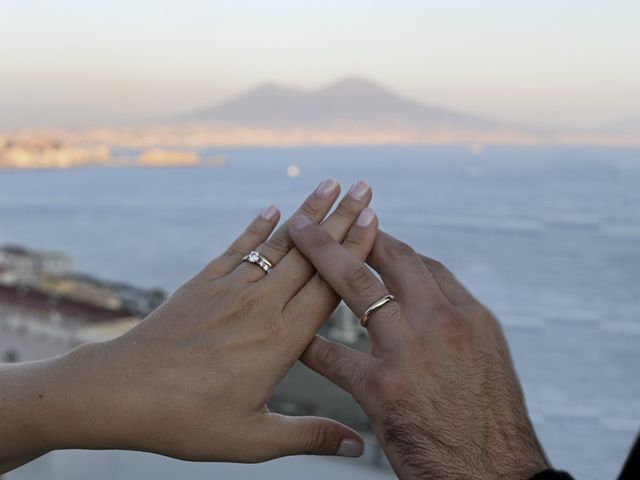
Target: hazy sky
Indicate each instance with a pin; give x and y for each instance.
(544, 62)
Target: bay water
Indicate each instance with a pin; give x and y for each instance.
(548, 238)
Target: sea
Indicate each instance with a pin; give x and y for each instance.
(547, 237)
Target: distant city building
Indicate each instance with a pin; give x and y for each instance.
(157, 157)
(27, 265)
(41, 297)
(45, 151)
(22, 302)
(344, 327)
(46, 283)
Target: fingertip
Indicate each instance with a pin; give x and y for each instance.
(270, 213)
(299, 222)
(328, 187)
(359, 190)
(289, 435)
(366, 218)
(350, 447)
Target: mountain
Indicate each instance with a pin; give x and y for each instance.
(350, 102)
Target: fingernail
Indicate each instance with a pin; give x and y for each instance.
(326, 187)
(299, 222)
(350, 448)
(358, 190)
(366, 217)
(269, 212)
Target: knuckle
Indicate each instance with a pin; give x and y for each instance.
(382, 382)
(360, 278)
(320, 285)
(347, 210)
(433, 264)
(280, 243)
(311, 209)
(298, 259)
(283, 327)
(483, 317)
(478, 312)
(244, 305)
(321, 240)
(275, 330)
(438, 268)
(232, 251)
(328, 356)
(398, 249)
(455, 327)
(338, 366)
(285, 322)
(393, 313)
(255, 229)
(358, 380)
(318, 440)
(352, 241)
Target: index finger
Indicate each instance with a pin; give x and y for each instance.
(347, 275)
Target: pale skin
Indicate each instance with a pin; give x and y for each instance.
(439, 386)
(192, 380)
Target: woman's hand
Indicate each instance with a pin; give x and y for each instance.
(439, 387)
(191, 381)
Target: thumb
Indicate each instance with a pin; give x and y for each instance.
(311, 436)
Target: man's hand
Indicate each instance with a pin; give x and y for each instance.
(439, 386)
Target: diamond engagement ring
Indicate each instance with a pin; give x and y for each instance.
(257, 259)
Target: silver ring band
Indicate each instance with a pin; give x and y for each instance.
(258, 259)
(376, 305)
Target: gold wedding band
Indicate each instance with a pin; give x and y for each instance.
(376, 305)
(258, 259)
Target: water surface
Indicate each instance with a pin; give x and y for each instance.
(547, 237)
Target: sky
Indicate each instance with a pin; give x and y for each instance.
(563, 64)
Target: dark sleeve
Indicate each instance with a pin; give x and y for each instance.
(631, 469)
(552, 475)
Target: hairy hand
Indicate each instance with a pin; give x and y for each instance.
(439, 386)
(192, 380)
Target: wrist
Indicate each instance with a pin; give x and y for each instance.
(74, 400)
(43, 406)
(521, 458)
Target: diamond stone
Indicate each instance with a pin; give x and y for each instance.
(254, 256)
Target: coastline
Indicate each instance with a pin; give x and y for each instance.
(179, 146)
